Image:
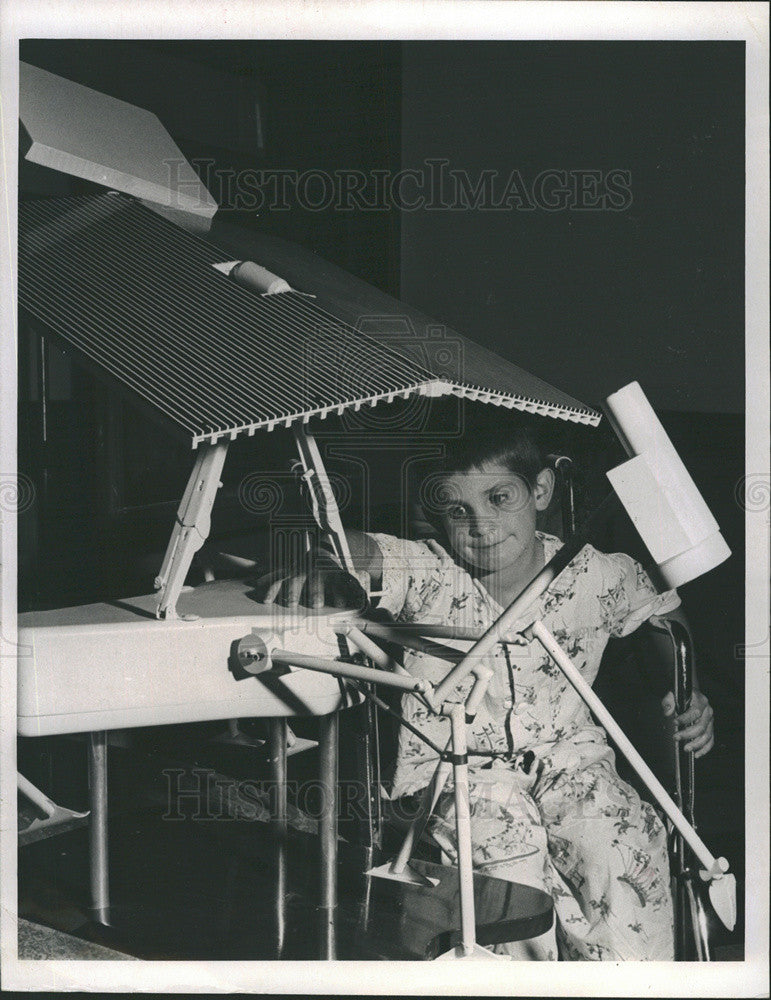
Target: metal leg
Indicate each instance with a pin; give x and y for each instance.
(278, 770)
(97, 780)
(278, 803)
(328, 751)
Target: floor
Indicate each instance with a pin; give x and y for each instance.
(194, 876)
(193, 888)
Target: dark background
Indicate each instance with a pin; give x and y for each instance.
(587, 300)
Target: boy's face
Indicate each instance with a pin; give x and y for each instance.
(489, 515)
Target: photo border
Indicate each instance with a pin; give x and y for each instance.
(404, 19)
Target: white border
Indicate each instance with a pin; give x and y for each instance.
(430, 19)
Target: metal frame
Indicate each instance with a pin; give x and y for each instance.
(691, 925)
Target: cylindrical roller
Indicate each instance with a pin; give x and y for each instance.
(258, 279)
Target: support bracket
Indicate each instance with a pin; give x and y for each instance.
(325, 509)
(192, 525)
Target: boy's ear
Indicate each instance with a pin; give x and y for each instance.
(544, 488)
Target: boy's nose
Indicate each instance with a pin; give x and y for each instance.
(480, 527)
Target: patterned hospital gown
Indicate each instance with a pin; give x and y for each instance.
(566, 823)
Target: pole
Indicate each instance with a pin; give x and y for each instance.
(463, 828)
(568, 668)
(278, 773)
(98, 855)
(328, 754)
(341, 669)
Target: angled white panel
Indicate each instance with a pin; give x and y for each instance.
(83, 132)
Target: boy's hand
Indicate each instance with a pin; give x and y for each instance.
(696, 730)
(318, 583)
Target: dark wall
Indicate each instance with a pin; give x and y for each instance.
(592, 299)
(240, 109)
(588, 299)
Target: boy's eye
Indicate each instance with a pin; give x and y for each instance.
(511, 497)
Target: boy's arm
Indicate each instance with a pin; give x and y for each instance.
(366, 555)
(695, 726)
(317, 579)
(637, 600)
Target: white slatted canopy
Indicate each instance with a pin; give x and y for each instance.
(141, 302)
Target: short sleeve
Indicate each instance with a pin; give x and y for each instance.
(413, 574)
(628, 597)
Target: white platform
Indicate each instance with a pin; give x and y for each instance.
(114, 665)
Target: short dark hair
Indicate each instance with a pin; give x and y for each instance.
(496, 434)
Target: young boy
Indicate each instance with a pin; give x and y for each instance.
(548, 808)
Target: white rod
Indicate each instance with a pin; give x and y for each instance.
(569, 669)
(372, 650)
(339, 668)
(463, 829)
(35, 795)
